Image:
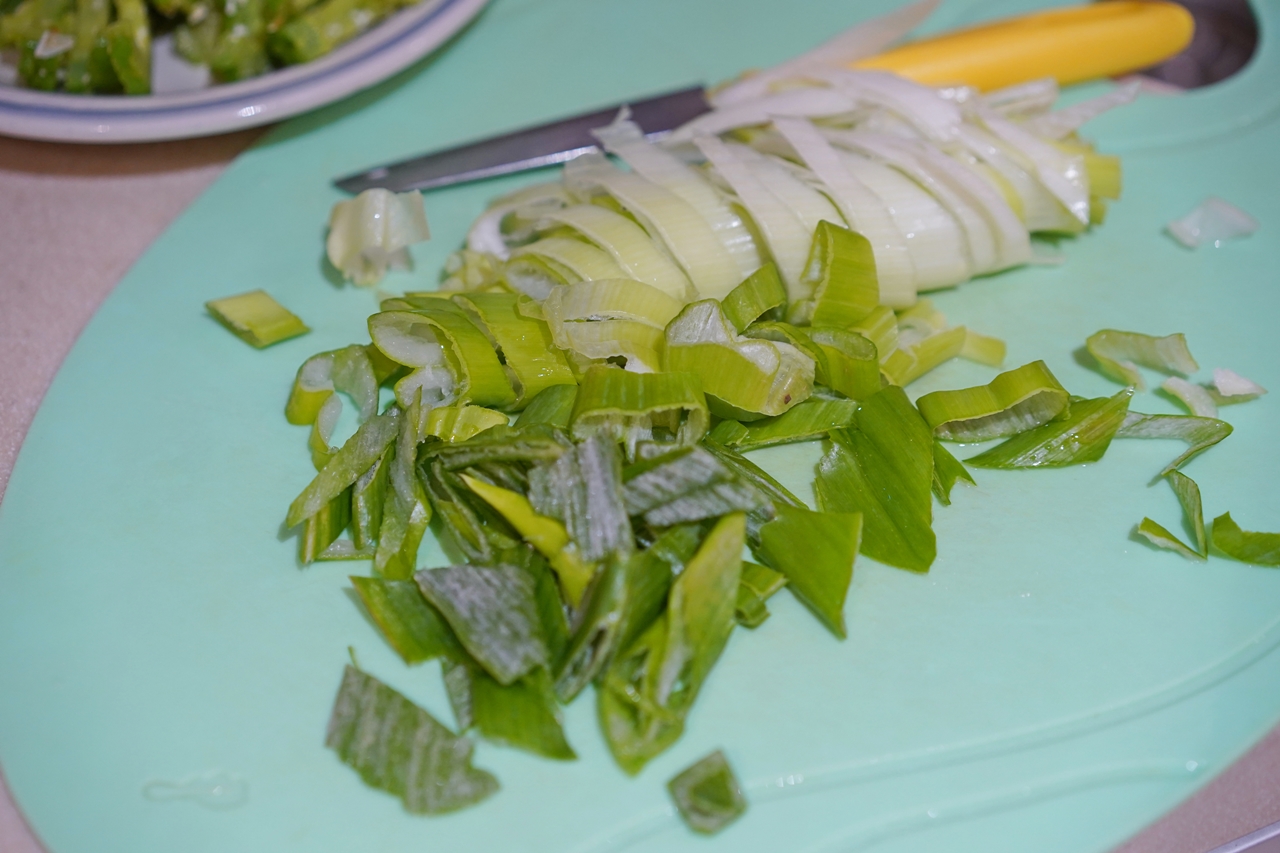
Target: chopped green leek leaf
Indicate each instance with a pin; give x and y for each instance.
(1189, 497)
(524, 344)
(842, 273)
(1260, 549)
(881, 328)
(355, 457)
(757, 585)
(321, 529)
(882, 467)
(687, 484)
(905, 365)
(584, 487)
(947, 471)
(312, 388)
(1083, 436)
(523, 715)
(1015, 401)
(406, 511)
(459, 423)
(481, 378)
(983, 349)
(553, 406)
(851, 364)
(761, 293)
(1159, 536)
(493, 612)
(635, 407)
(1119, 353)
(708, 795)
(256, 318)
(344, 549)
(815, 550)
(1199, 433)
(412, 626)
(396, 746)
(813, 418)
(756, 476)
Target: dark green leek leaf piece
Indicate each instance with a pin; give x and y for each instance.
(1260, 549)
(1199, 433)
(494, 613)
(806, 421)
(368, 495)
(397, 747)
(406, 511)
(412, 626)
(649, 576)
(1189, 497)
(590, 479)
(815, 550)
(596, 632)
(760, 293)
(321, 529)
(553, 406)
(708, 795)
(947, 471)
(534, 443)
(752, 473)
(355, 457)
(757, 585)
(523, 715)
(1083, 436)
(882, 467)
(688, 484)
(546, 595)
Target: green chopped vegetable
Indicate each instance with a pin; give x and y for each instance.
(1013, 402)
(1194, 397)
(983, 349)
(1119, 353)
(815, 550)
(1189, 497)
(397, 747)
(523, 715)
(128, 44)
(850, 363)
(947, 471)
(757, 585)
(321, 529)
(374, 230)
(907, 364)
(405, 511)
(553, 406)
(1083, 436)
(256, 318)
(687, 484)
(1199, 433)
(241, 48)
(1260, 549)
(708, 795)
(636, 407)
(882, 468)
(812, 419)
(355, 457)
(414, 628)
(760, 294)
(841, 271)
(524, 344)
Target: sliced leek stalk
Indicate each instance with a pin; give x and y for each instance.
(636, 407)
(1013, 402)
(1119, 353)
(256, 318)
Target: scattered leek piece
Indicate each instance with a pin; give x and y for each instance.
(752, 473)
(396, 746)
(635, 407)
(882, 467)
(1199, 433)
(1260, 549)
(374, 231)
(1212, 222)
(523, 715)
(841, 271)
(354, 458)
(1083, 436)
(256, 318)
(406, 511)
(412, 626)
(761, 293)
(1189, 497)
(1013, 402)
(554, 407)
(1193, 396)
(947, 471)
(708, 795)
(907, 364)
(584, 489)
(368, 497)
(757, 585)
(815, 550)
(812, 419)
(459, 423)
(1230, 387)
(493, 613)
(983, 349)
(1119, 353)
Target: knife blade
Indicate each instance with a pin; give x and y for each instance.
(541, 145)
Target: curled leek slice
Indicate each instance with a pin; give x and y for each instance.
(1199, 433)
(524, 343)
(1194, 397)
(907, 364)
(842, 274)
(1189, 497)
(881, 328)
(1261, 549)
(407, 336)
(373, 231)
(1119, 353)
(1013, 402)
(759, 294)
(743, 377)
(635, 407)
(807, 421)
(1083, 436)
(850, 363)
(628, 244)
(607, 319)
(575, 257)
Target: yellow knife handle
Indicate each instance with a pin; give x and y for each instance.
(1072, 45)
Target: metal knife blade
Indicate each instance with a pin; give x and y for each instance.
(543, 145)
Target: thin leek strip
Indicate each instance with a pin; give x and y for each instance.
(554, 407)
(1015, 401)
(922, 317)
(904, 366)
(1118, 354)
(321, 529)
(256, 318)
(634, 407)
(1083, 436)
(666, 217)
(410, 625)
(405, 511)
(816, 551)
(1060, 173)
(708, 795)
(882, 467)
(523, 715)
(810, 420)
(1260, 549)
(757, 585)
(341, 550)
(881, 328)
(1189, 497)
(639, 343)
(931, 115)
(842, 273)
(510, 218)
(1199, 433)
(747, 376)
(481, 379)
(368, 496)
(352, 459)
(809, 102)
(850, 365)
(322, 429)
(524, 344)
(583, 260)
(628, 244)
(397, 747)
(759, 294)
(983, 349)
(947, 471)
(1193, 396)
(545, 534)
(861, 208)
(312, 388)
(1230, 387)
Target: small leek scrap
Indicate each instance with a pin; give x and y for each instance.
(1199, 433)
(373, 231)
(757, 586)
(256, 318)
(1119, 353)
(1013, 402)
(708, 795)
(815, 550)
(1189, 497)
(397, 747)
(1083, 436)
(1260, 549)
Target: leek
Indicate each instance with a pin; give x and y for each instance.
(907, 364)
(523, 715)
(1119, 353)
(523, 344)
(256, 318)
(629, 246)
(983, 349)
(812, 419)
(757, 585)
(320, 530)
(1013, 402)
(685, 485)
(947, 471)
(406, 512)
(368, 495)
(816, 551)
(842, 274)
(850, 364)
(352, 459)
(632, 407)
(761, 293)
(1189, 497)
(1260, 549)
(708, 795)
(410, 625)
(554, 407)
(1083, 436)
(1199, 433)
(373, 231)
(1230, 387)
(1194, 397)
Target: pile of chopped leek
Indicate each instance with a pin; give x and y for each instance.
(572, 411)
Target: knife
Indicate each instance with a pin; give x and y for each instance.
(1071, 44)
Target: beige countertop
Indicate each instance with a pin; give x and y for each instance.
(73, 219)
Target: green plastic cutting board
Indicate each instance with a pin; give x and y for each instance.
(1052, 684)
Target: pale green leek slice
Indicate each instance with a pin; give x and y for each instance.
(742, 376)
(1082, 436)
(481, 379)
(881, 328)
(1230, 387)
(639, 344)
(459, 423)
(1119, 353)
(759, 294)
(411, 626)
(635, 407)
(708, 795)
(816, 551)
(983, 349)
(523, 715)
(850, 363)
(907, 364)
(523, 343)
(882, 467)
(629, 246)
(757, 585)
(1194, 397)
(1199, 433)
(536, 277)
(352, 459)
(841, 271)
(1189, 497)
(256, 318)
(397, 747)
(612, 299)
(581, 259)
(554, 407)
(812, 419)
(947, 471)
(312, 388)
(373, 231)
(1260, 549)
(1013, 402)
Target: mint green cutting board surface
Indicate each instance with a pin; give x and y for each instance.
(1051, 685)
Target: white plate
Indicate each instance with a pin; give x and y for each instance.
(358, 64)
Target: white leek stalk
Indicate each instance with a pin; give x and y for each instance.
(629, 246)
(373, 231)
